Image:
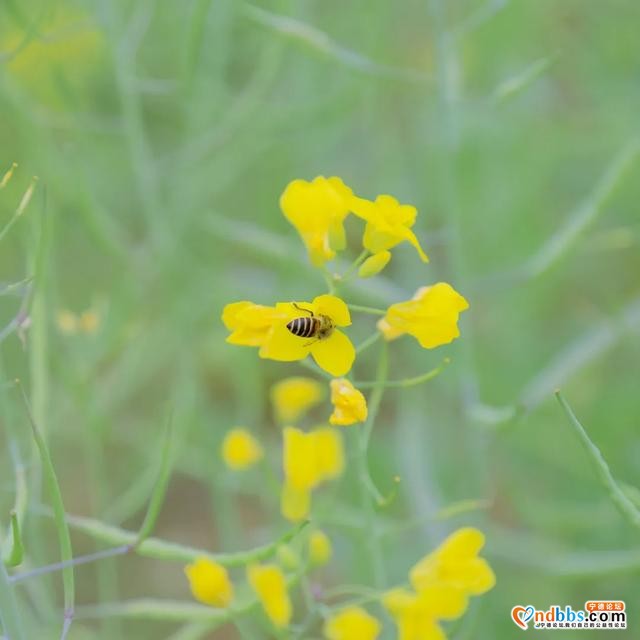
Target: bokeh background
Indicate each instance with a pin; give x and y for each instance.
(163, 133)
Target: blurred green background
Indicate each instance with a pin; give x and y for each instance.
(162, 135)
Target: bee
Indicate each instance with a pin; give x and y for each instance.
(314, 326)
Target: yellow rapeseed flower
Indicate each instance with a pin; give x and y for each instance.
(374, 264)
(431, 317)
(295, 504)
(209, 582)
(317, 210)
(349, 405)
(67, 322)
(250, 324)
(270, 586)
(311, 458)
(455, 563)
(89, 321)
(240, 450)
(320, 549)
(443, 581)
(308, 460)
(352, 623)
(388, 224)
(266, 327)
(411, 614)
(293, 397)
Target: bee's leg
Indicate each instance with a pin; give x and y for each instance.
(308, 344)
(299, 308)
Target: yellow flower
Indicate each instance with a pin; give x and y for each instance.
(388, 224)
(352, 623)
(317, 210)
(266, 327)
(249, 323)
(240, 449)
(311, 458)
(292, 397)
(455, 564)
(431, 317)
(308, 460)
(374, 264)
(209, 582)
(67, 322)
(320, 549)
(270, 586)
(89, 321)
(443, 580)
(295, 504)
(413, 620)
(349, 405)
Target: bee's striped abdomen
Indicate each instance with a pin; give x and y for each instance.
(303, 327)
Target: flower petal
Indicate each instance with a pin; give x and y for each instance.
(374, 264)
(282, 345)
(335, 354)
(333, 307)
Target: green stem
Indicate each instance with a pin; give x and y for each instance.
(24, 203)
(367, 487)
(365, 344)
(9, 612)
(354, 265)
(51, 481)
(370, 310)
(163, 550)
(617, 495)
(406, 382)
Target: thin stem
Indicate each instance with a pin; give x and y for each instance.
(370, 310)
(406, 382)
(354, 265)
(617, 495)
(365, 344)
(367, 487)
(57, 504)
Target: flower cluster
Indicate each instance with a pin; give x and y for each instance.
(313, 449)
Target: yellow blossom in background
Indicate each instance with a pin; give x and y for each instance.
(209, 582)
(352, 623)
(270, 586)
(293, 397)
(311, 458)
(388, 224)
(70, 323)
(317, 210)
(288, 557)
(431, 317)
(266, 327)
(349, 405)
(320, 549)
(89, 322)
(308, 460)
(455, 563)
(295, 503)
(67, 322)
(63, 51)
(443, 581)
(240, 449)
(413, 619)
(374, 264)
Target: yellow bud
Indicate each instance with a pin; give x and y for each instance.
(240, 450)
(374, 264)
(209, 582)
(320, 549)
